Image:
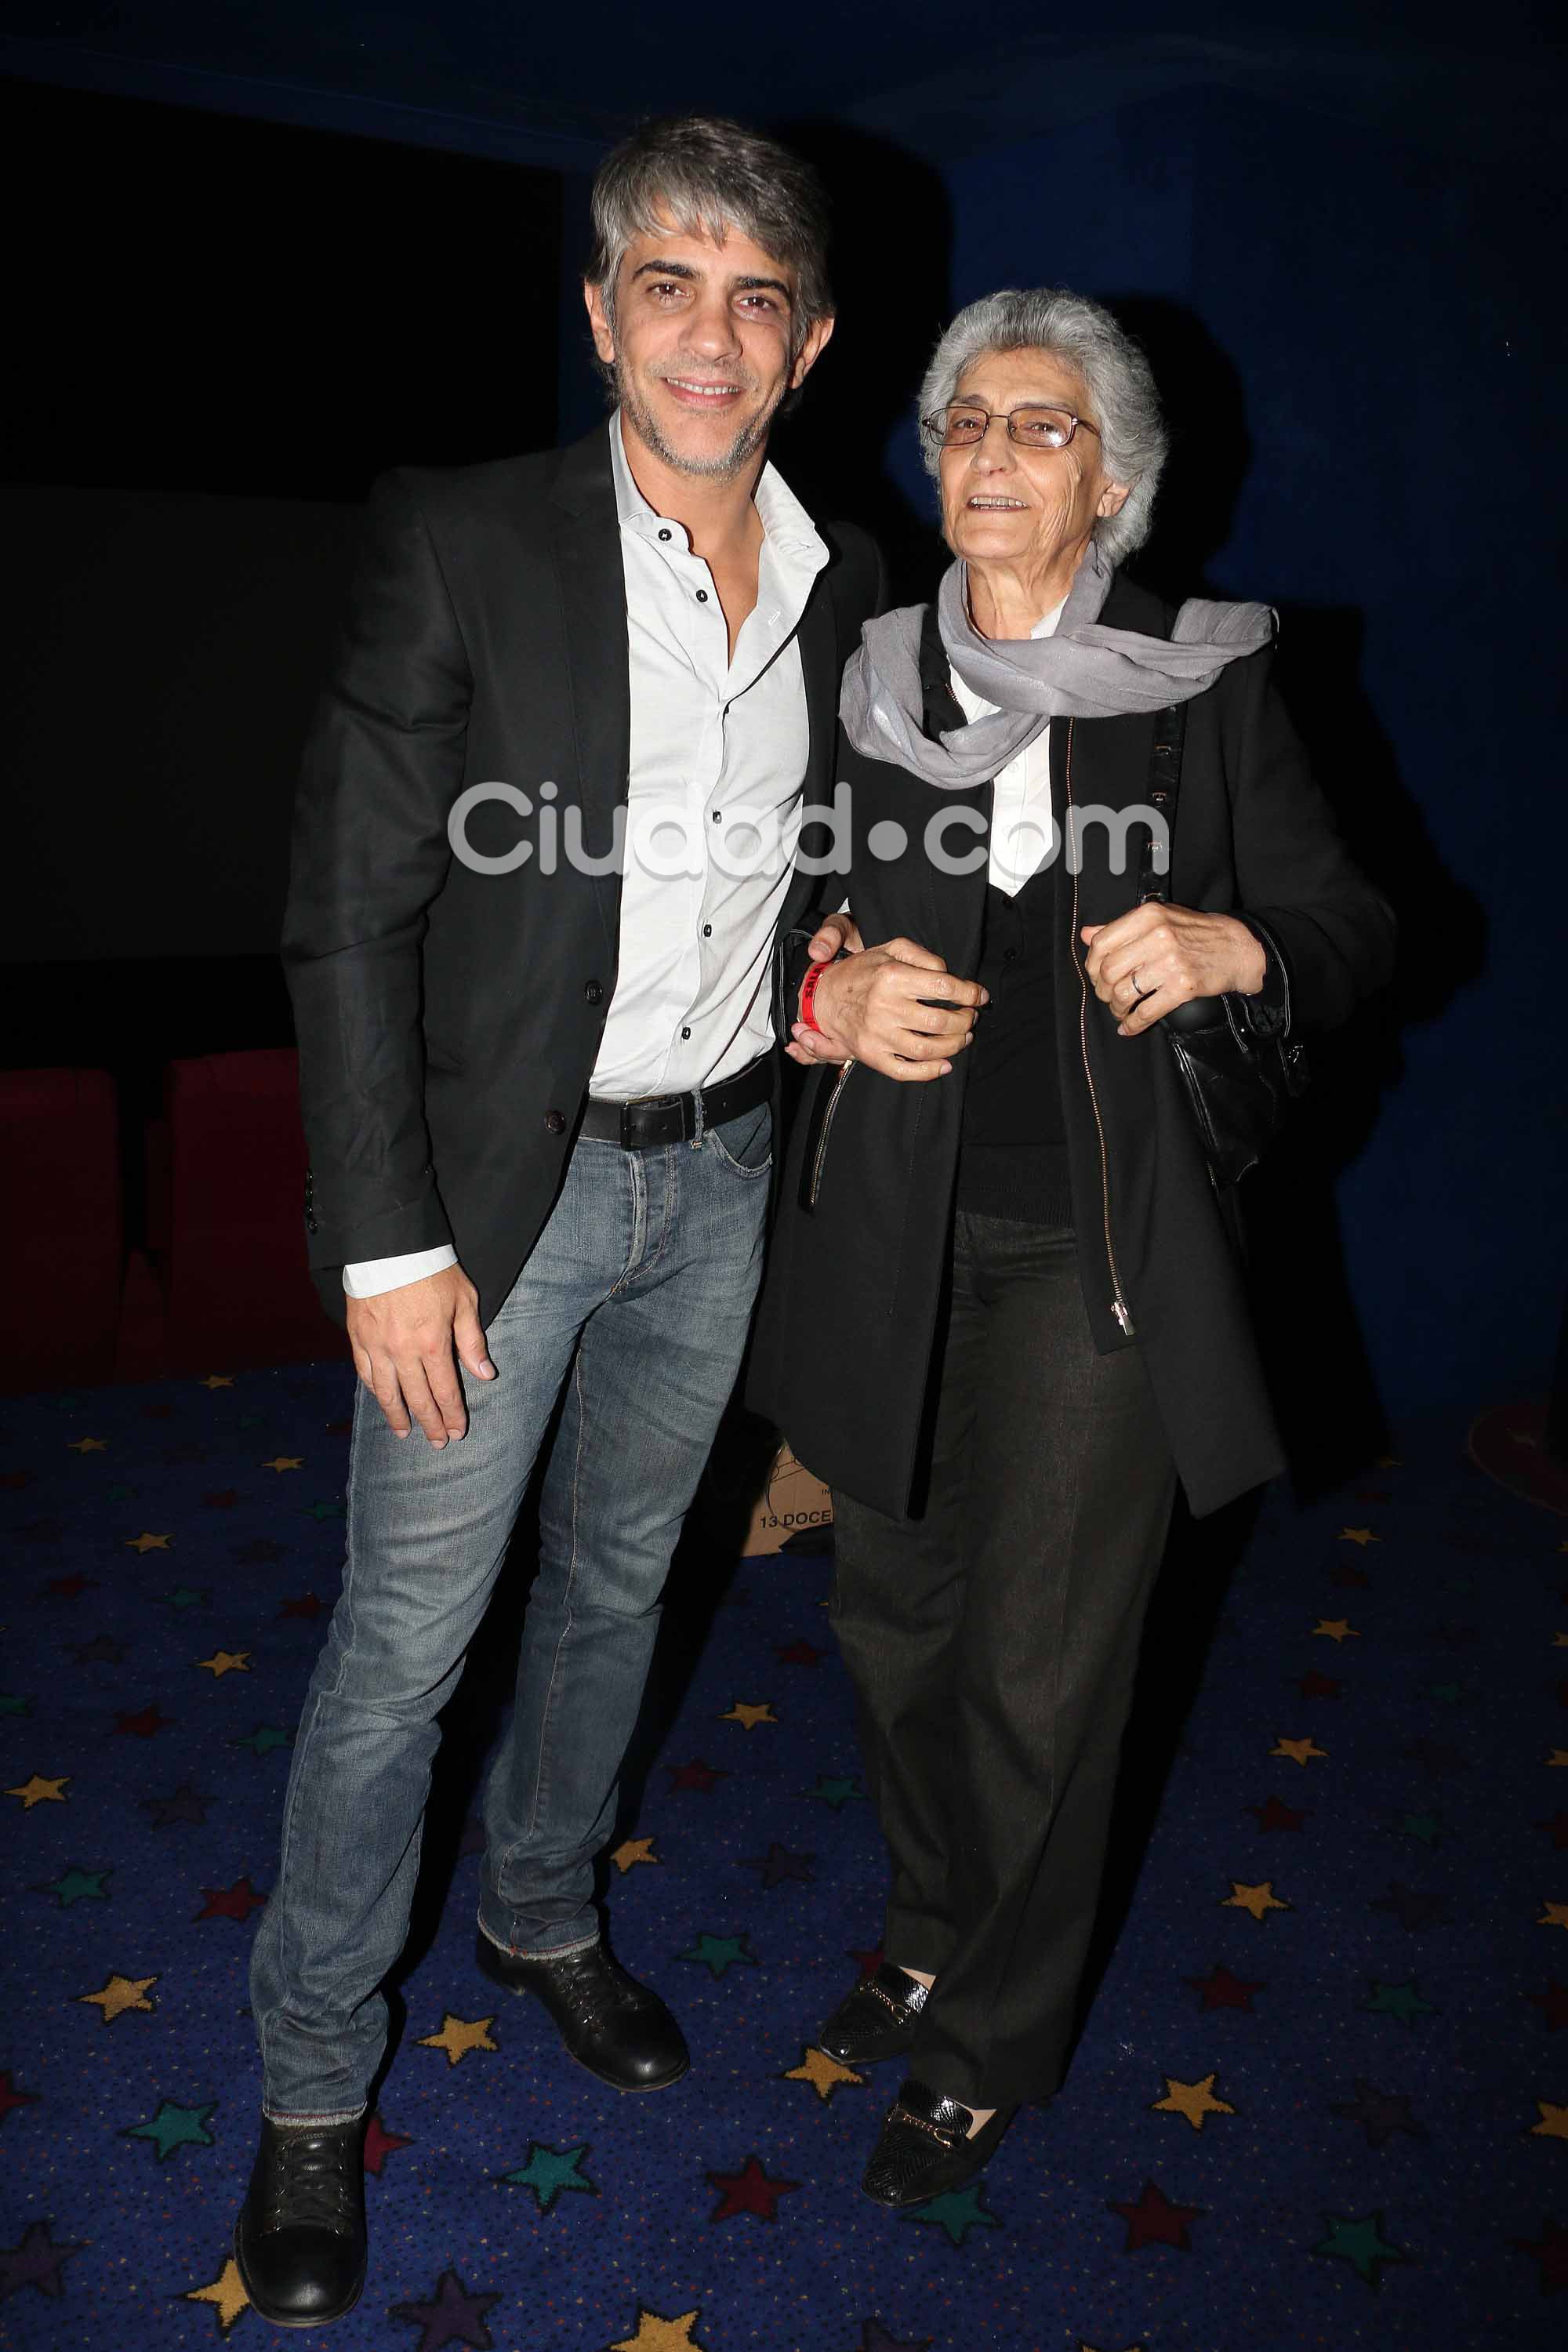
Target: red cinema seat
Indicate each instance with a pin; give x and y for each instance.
(238, 1289)
(59, 1203)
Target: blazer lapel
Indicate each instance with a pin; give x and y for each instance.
(585, 543)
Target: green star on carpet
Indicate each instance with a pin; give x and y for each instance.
(263, 1740)
(325, 1510)
(549, 2171)
(1360, 2242)
(174, 2127)
(717, 1953)
(1425, 1826)
(957, 2211)
(1400, 2001)
(9, 1706)
(833, 1792)
(122, 1494)
(77, 1886)
(1449, 1691)
(185, 1596)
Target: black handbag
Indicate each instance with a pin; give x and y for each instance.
(1238, 1060)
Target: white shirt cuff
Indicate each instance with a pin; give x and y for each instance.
(374, 1274)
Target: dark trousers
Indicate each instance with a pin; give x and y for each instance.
(993, 1642)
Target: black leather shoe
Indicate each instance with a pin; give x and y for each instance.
(925, 2149)
(877, 2020)
(618, 2029)
(300, 2238)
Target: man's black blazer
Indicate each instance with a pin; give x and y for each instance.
(448, 1019)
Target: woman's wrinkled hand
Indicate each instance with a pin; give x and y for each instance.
(1156, 957)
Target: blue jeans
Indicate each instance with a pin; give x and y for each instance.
(636, 1300)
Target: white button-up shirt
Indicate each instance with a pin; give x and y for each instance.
(718, 751)
(1021, 796)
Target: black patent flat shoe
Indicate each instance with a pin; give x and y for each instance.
(619, 2030)
(925, 2149)
(300, 2241)
(877, 2020)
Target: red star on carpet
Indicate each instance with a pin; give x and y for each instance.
(10, 2096)
(1552, 2004)
(1221, 1989)
(379, 2143)
(143, 1723)
(304, 1604)
(71, 1588)
(1317, 1686)
(1357, 1577)
(235, 1902)
(748, 2191)
(222, 1498)
(1551, 2250)
(1276, 1815)
(695, 1775)
(870, 1961)
(801, 1653)
(1153, 2221)
(344, 1428)
(1556, 1828)
(451, 2316)
(13, 1481)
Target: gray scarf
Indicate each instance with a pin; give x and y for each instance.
(1084, 671)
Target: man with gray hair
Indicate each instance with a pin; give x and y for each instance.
(539, 1096)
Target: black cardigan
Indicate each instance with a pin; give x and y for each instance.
(842, 1353)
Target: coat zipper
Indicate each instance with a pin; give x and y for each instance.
(821, 1153)
(1119, 1306)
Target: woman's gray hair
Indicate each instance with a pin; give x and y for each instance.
(704, 171)
(1118, 377)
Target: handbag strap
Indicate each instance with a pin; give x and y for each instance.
(1164, 792)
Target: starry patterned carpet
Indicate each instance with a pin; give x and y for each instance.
(1321, 2100)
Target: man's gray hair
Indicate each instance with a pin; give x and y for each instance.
(703, 171)
(1116, 375)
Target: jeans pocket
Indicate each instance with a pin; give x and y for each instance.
(744, 1145)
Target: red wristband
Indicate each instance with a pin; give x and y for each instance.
(807, 996)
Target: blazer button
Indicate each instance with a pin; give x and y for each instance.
(594, 993)
(554, 1122)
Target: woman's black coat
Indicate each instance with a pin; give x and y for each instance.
(842, 1354)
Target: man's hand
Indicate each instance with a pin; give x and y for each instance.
(1155, 957)
(836, 932)
(870, 1010)
(403, 1344)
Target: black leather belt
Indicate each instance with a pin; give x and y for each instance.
(672, 1118)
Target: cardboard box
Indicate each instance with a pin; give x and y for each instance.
(792, 1502)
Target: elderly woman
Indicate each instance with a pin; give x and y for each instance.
(998, 1202)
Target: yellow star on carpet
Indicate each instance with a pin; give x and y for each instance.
(1082, 2346)
(1554, 1916)
(225, 2294)
(1256, 1899)
(40, 1791)
(825, 2074)
(1338, 1629)
(87, 1446)
(1390, 1462)
(1362, 1536)
(1300, 1751)
(627, 1855)
(218, 1380)
(657, 2335)
(1558, 1756)
(146, 1542)
(227, 1662)
(749, 1715)
(285, 1462)
(1553, 2123)
(1560, 1641)
(120, 1994)
(1194, 2100)
(458, 2035)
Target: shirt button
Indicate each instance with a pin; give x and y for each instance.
(707, 931)
(664, 534)
(718, 817)
(702, 595)
(686, 1032)
(593, 993)
(554, 1122)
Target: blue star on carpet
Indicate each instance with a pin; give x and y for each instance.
(549, 2171)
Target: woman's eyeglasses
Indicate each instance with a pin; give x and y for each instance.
(964, 426)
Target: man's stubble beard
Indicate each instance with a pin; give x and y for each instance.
(722, 467)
